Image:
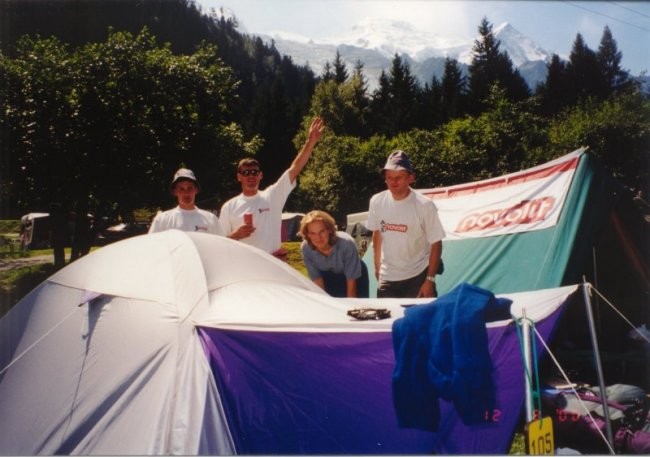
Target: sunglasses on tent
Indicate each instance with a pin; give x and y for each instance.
(253, 172)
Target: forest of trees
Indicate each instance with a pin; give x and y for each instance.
(102, 100)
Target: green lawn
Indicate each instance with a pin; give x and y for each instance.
(295, 257)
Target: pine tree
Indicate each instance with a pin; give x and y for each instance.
(380, 104)
(360, 100)
(396, 100)
(609, 60)
(340, 72)
(585, 71)
(556, 92)
(430, 109)
(327, 74)
(491, 66)
(452, 91)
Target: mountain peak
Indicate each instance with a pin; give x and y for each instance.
(390, 37)
(375, 41)
(519, 47)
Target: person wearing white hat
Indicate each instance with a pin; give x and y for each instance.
(186, 216)
(406, 234)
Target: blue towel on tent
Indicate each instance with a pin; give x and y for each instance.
(441, 351)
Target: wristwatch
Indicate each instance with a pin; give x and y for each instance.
(431, 278)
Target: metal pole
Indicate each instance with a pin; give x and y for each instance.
(599, 367)
(525, 329)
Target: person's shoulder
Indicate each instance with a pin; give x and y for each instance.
(168, 212)
(283, 180)
(422, 199)
(206, 213)
(344, 236)
(231, 201)
(379, 196)
(346, 240)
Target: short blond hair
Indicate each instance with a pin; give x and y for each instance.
(247, 162)
(325, 218)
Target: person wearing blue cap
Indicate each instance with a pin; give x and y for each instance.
(186, 216)
(406, 234)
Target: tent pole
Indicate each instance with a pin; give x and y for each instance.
(599, 367)
(525, 329)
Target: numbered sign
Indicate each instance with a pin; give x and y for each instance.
(539, 437)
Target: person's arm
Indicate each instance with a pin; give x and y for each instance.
(376, 249)
(155, 224)
(351, 287)
(352, 263)
(243, 231)
(319, 282)
(428, 288)
(229, 231)
(315, 130)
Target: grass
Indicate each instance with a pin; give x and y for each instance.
(10, 238)
(9, 226)
(518, 446)
(294, 257)
(18, 282)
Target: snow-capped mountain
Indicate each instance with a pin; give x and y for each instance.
(375, 42)
(390, 37)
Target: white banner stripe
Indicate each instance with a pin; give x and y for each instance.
(524, 201)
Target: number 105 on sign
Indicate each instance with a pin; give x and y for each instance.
(539, 439)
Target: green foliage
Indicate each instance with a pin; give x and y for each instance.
(508, 136)
(490, 66)
(341, 106)
(88, 124)
(616, 130)
(342, 173)
(395, 103)
(452, 91)
(588, 74)
(100, 118)
(505, 138)
(260, 69)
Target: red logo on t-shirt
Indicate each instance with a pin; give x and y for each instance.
(388, 227)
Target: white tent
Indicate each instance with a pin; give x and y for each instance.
(105, 356)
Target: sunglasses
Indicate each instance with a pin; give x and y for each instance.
(249, 172)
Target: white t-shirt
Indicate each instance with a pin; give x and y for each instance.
(266, 207)
(408, 228)
(192, 220)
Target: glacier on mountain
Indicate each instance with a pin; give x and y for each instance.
(375, 42)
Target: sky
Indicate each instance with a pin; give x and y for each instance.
(553, 25)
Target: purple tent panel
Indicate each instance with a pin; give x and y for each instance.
(331, 393)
